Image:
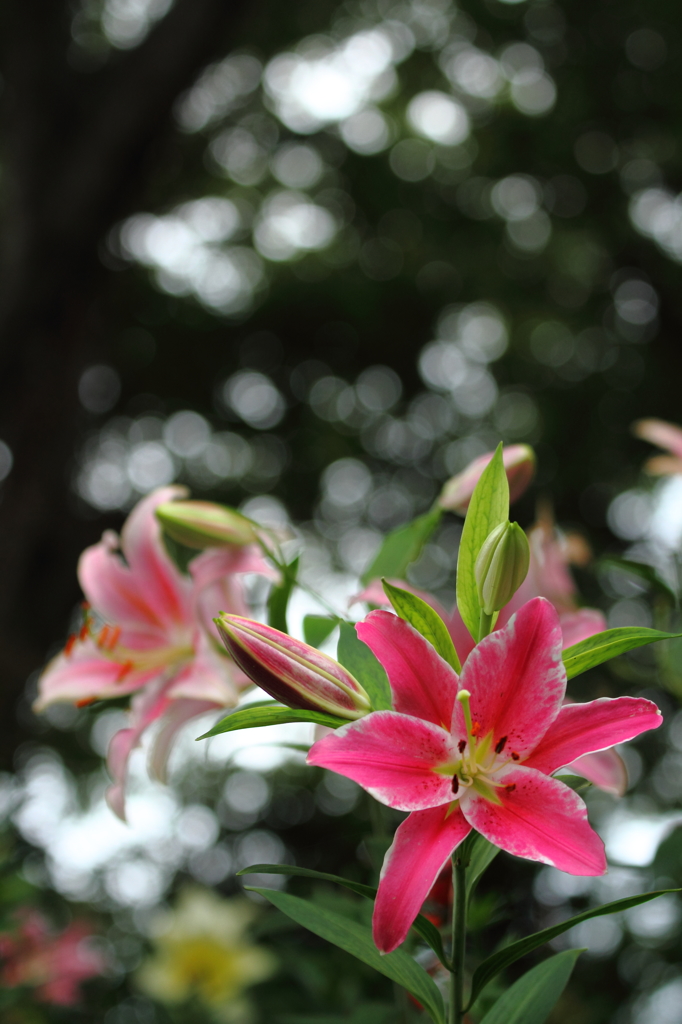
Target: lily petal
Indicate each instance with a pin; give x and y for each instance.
(420, 848)
(165, 588)
(394, 757)
(179, 712)
(146, 707)
(422, 683)
(665, 435)
(148, 592)
(516, 679)
(85, 674)
(539, 818)
(605, 769)
(583, 728)
(577, 626)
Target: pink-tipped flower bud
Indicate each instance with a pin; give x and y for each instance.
(501, 566)
(290, 671)
(203, 524)
(519, 463)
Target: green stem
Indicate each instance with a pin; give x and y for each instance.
(459, 920)
(485, 624)
(280, 564)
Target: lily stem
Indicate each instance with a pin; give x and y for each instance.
(485, 624)
(459, 922)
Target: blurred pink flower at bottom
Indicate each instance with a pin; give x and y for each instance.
(53, 964)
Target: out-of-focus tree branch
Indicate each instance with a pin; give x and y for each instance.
(78, 149)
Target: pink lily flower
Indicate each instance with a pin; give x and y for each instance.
(519, 463)
(606, 769)
(664, 435)
(477, 752)
(53, 965)
(148, 631)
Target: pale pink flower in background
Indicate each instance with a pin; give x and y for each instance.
(477, 752)
(664, 435)
(148, 631)
(54, 965)
(519, 464)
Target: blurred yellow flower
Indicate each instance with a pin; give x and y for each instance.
(200, 951)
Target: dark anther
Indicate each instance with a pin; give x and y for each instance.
(515, 756)
(500, 745)
(455, 783)
(511, 787)
(461, 745)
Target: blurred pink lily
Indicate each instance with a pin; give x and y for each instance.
(664, 435)
(519, 463)
(53, 965)
(477, 752)
(148, 631)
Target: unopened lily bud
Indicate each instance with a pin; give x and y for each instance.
(519, 464)
(290, 671)
(203, 524)
(501, 566)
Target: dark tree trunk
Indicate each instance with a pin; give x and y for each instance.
(78, 149)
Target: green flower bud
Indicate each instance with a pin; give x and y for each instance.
(202, 524)
(501, 566)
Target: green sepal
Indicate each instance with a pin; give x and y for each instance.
(422, 925)
(356, 939)
(179, 554)
(425, 620)
(254, 718)
(531, 999)
(488, 508)
(403, 546)
(499, 961)
(316, 628)
(601, 647)
(361, 663)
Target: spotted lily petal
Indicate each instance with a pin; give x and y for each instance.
(516, 679)
(394, 757)
(422, 683)
(583, 728)
(538, 818)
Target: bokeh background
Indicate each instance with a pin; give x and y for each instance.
(311, 259)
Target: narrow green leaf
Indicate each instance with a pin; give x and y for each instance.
(603, 646)
(645, 572)
(428, 931)
(278, 599)
(425, 620)
(360, 662)
(486, 971)
(532, 998)
(316, 628)
(482, 854)
(402, 546)
(356, 939)
(489, 506)
(254, 717)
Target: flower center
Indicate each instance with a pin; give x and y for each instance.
(479, 761)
